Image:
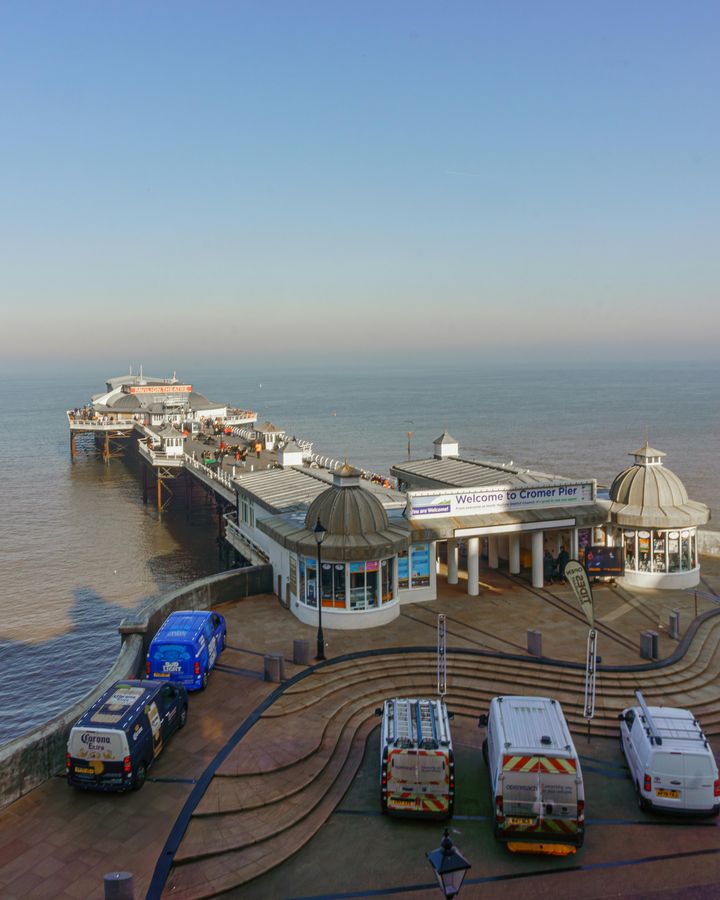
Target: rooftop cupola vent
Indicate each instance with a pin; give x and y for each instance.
(445, 447)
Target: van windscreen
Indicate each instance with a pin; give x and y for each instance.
(172, 652)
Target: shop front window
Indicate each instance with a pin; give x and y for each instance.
(387, 580)
(339, 576)
(658, 542)
(685, 562)
(371, 583)
(327, 584)
(673, 551)
(643, 551)
(630, 561)
(311, 571)
(357, 585)
(301, 580)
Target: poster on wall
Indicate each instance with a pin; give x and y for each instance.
(293, 575)
(420, 569)
(402, 567)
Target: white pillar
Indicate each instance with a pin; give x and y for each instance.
(514, 554)
(452, 562)
(609, 536)
(473, 566)
(574, 550)
(537, 559)
(492, 551)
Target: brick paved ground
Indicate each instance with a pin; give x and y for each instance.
(56, 842)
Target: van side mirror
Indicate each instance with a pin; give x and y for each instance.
(621, 716)
(482, 721)
(451, 715)
(378, 711)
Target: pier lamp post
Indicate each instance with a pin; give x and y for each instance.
(449, 866)
(319, 532)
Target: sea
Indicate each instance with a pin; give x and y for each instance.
(79, 550)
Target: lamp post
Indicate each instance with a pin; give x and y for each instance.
(449, 865)
(319, 533)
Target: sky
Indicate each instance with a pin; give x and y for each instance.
(359, 181)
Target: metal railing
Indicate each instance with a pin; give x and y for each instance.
(213, 474)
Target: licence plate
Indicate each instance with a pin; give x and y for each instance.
(83, 770)
(673, 795)
(403, 804)
(519, 820)
(161, 674)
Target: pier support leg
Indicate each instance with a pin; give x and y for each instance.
(106, 448)
(73, 448)
(452, 562)
(144, 482)
(473, 566)
(159, 494)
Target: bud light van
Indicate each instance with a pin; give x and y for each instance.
(186, 647)
(116, 741)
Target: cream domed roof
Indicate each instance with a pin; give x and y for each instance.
(648, 495)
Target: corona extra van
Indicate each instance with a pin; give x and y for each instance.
(417, 767)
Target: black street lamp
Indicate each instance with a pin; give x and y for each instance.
(319, 533)
(449, 865)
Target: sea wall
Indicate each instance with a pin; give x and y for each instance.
(32, 758)
(708, 543)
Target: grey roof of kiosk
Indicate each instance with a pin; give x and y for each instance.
(458, 472)
(445, 439)
(278, 490)
(651, 496)
(455, 472)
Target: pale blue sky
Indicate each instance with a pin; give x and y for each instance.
(415, 179)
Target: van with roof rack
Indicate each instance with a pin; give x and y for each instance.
(670, 759)
(536, 781)
(417, 765)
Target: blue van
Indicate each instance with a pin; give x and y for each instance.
(185, 648)
(114, 743)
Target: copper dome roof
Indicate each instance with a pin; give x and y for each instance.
(649, 495)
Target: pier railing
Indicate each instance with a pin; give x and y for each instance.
(213, 474)
(99, 423)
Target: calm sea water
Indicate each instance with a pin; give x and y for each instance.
(78, 549)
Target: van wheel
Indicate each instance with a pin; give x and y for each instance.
(183, 717)
(642, 803)
(203, 683)
(485, 753)
(140, 774)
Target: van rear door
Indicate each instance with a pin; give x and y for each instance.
(172, 660)
(418, 781)
(96, 756)
(699, 781)
(540, 797)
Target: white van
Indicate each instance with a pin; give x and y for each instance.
(670, 759)
(535, 775)
(417, 767)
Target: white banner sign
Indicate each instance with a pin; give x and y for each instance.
(477, 501)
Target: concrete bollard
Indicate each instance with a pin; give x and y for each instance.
(274, 667)
(646, 647)
(675, 624)
(534, 642)
(655, 644)
(301, 652)
(118, 886)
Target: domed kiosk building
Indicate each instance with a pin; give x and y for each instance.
(653, 520)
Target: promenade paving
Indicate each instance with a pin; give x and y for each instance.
(290, 772)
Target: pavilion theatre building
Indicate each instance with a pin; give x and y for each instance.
(381, 547)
